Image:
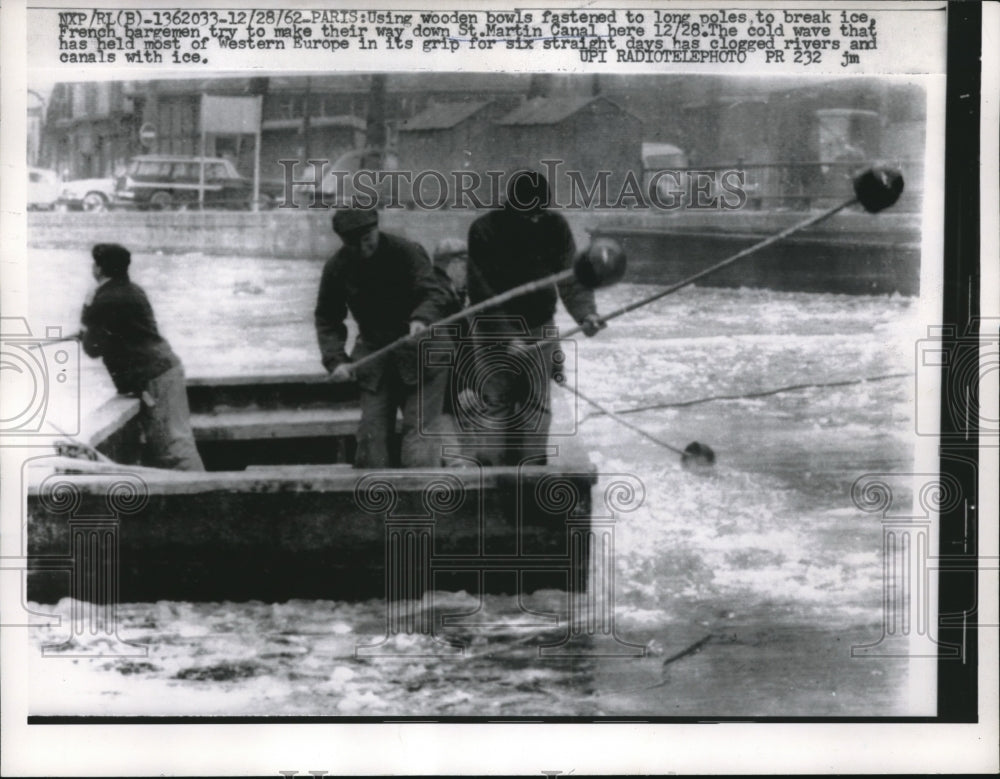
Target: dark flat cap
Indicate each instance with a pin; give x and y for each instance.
(350, 220)
(113, 259)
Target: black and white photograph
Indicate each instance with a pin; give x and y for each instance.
(561, 366)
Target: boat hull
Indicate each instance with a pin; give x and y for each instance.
(305, 533)
(319, 530)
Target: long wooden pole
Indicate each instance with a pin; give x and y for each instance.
(483, 305)
(624, 422)
(813, 220)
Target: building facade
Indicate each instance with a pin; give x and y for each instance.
(303, 117)
(796, 138)
(90, 130)
(587, 135)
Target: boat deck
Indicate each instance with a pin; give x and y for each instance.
(243, 424)
(280, 513)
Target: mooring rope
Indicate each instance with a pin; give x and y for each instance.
(746, 395)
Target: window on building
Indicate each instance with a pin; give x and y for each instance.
(283, 106)
(177, 124)
(59, 107)
(336, 105)
(102, 99)
(272, 107)
(78, 108)
(391, 134)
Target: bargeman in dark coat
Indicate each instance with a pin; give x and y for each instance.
(118, 325)
(390, 288)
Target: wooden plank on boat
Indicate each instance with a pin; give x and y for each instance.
(289, 470)
(244, 424)
(108, 418)
(269, 392)
(259, 380)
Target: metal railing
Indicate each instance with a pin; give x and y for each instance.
(797, 186)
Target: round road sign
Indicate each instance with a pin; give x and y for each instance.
(147, 135)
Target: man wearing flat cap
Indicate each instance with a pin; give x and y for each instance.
(118, 325)
(389, 286)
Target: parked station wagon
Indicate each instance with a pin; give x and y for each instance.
(163, 181)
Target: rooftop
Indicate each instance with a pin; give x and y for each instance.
(551, 110)
(443, 116)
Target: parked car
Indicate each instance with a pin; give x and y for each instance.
(163, 181)
(88, 195)
(43, 189)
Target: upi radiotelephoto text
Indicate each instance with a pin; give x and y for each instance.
(729, 37)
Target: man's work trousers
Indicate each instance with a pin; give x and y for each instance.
(514, 389)
(422, 438)
(165, 421)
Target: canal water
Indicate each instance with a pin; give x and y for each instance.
(761, 573)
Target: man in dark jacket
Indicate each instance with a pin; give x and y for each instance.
(522, 242)
(390, 288)
(118, 326)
